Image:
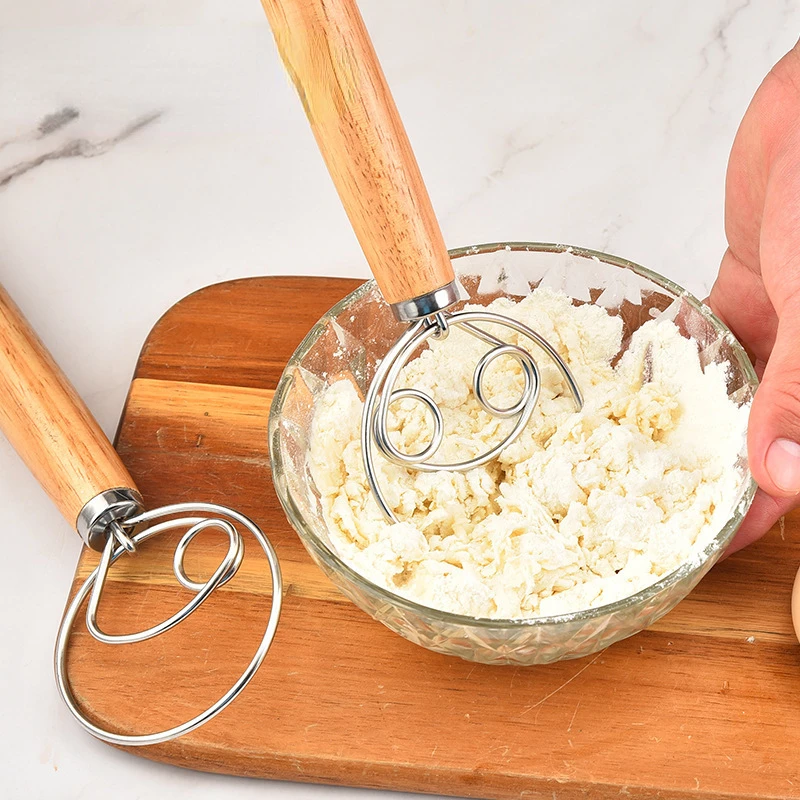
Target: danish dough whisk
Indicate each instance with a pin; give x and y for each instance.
(328, 53)
(53, 431)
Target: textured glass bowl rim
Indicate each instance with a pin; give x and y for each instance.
(333, 561)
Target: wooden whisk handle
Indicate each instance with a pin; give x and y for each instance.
(49, 425)
(329, 56)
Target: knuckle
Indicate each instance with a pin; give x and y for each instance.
(782, 401)
(791, 293)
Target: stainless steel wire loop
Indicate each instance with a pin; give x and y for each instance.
(381, 393)
(222, 518)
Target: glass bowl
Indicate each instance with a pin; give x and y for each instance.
(357, 332)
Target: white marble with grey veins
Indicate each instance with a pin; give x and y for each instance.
(148, 149)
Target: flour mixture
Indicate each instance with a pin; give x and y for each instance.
(583, 509)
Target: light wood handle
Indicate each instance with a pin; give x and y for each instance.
(329, 56)
(48, 424)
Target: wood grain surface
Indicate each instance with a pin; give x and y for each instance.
(48, 424)
(706, 704)
(328, 54)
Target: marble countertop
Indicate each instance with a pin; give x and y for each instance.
(149, 149)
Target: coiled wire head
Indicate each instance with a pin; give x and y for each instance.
(381, 393)
(124, 537)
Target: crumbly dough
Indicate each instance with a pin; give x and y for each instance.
(583, 509)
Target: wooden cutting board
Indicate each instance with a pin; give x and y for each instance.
(706, 704)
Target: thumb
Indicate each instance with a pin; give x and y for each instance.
(774, 429)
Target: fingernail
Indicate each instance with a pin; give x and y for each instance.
(783, 465)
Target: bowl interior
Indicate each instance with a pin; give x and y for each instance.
(350, 340)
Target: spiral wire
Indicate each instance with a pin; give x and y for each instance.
(382, 394)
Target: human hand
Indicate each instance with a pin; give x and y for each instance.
(757, 291)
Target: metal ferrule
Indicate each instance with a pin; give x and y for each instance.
(112, 505)
(426, 304)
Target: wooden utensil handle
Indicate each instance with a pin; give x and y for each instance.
(329, 56)
(48, 424)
